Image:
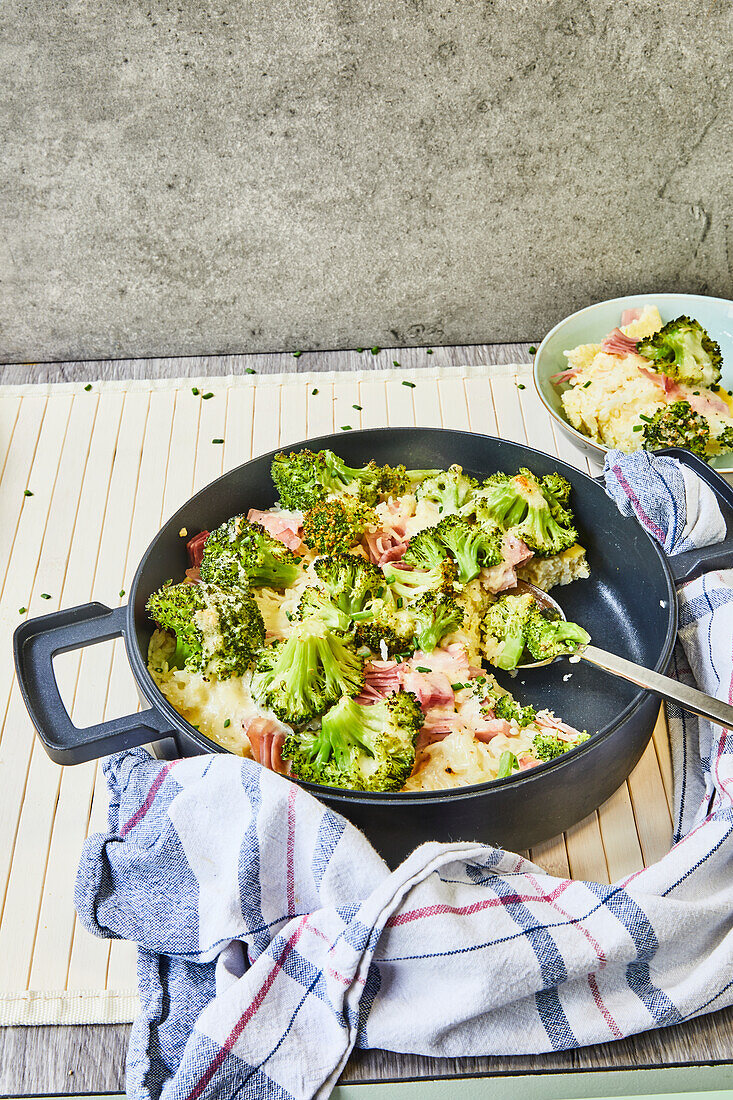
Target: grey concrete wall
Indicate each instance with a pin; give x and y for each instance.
(195, 176)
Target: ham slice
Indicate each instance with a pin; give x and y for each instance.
(515, 551)
(266, 738)
(563, 376)
(617, 343)
(385, 546)
(286, 527)
(195, 549)
(492, 727)
(630, 315)
(432, 689)
(381, 678)
(548, 721)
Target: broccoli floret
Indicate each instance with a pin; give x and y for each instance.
(334, 526)
(471, 545)
(547, 746)
(425, 551)
(519, 504)
(548, 638)
(361, 748)
(508, 763)
(450, 489)
(299, 678)
(350, 580)
(504, 706)
(556, 490)
(241, 553)
(435, 615)
(303, 478)
(676, 425)
(519, 624)
(217, 631)
(682, 349)
(410, 584)
(316, 604)
(386, 623)
(505, 622)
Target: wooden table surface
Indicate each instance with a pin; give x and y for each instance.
(91, 1058)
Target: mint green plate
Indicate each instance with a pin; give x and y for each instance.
(590, 325)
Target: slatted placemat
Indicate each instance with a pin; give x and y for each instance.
(106, 467)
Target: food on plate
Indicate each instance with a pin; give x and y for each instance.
(515, 625)
(339, 636)
(648, 385)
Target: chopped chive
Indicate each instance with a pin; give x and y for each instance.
(375, 350)
(457, 687)
(647, 418)
(422, 668)
(695, 393)
(227, 723)
(297, 354)
(357, 407)
(379, 593)
(22, 610)
(27, 493)
(122, 592)
(289, 616)
(399, 601)
(250, 370)
(410, 384)
(45, 596)
(360, 349)
(88, 387)
(521, 386)
(586, 384)
(637, 427)
(715, 387)
(346, 427)
(195, 391)
(206, 396)
(395, 363)
(314, 393)
(217, 441)
(532, 350)
(428, 351)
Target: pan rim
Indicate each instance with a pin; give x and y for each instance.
(337, 794)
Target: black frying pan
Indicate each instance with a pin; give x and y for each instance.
(628, 604)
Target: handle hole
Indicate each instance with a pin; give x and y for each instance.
(96, 683)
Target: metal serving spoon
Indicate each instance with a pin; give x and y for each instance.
(706, 706)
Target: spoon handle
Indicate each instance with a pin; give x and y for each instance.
(707, 706)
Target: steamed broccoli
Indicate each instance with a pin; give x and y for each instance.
(519, 504)
(316, 604)
(299, 678)
(547, 746)
(425, 550)
(410, 584)
(303, 478)
(683, 350)
(350, 580)
(556, 491)
(360, 748)
(504, 706)
(450, 489)
(435, 615)
(217, 631)
(676, 425)
(336, 525)
(517, 623)
(724, 442)
(241, 553)
(471, 545)
(386, 624)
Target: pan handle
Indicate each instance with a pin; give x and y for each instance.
(35, 644)
(693, 563)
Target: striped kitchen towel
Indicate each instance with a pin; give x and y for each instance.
(273, 939)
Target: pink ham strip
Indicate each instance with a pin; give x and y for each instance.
(491, 728)
(563, 731)
(630, 315)
(266, 739)
(617, 343)
(385, 546)
(563, 376)
(195, 549)
(285, 528)
(515, 551)
(381, 678)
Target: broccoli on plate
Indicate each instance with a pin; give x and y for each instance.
(362, 748)
(683, 350)
(239, 553)
(300, 677)
(217, 631)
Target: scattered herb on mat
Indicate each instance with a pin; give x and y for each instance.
(532, 350)
(410, 384)
(346, 427)
(22, 610)
(217, 441)
(314, 393)
(45, 596)
(357, 407)
(297, 354)
(227, 723)
(27, 493)
(206, 396)
(88, 387)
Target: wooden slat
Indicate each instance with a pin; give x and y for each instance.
(106, 470)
